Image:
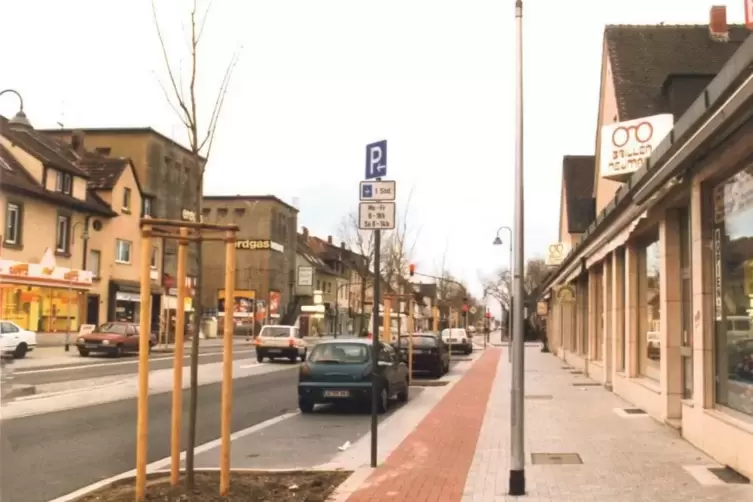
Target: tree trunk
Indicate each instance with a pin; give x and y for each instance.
(198, 308)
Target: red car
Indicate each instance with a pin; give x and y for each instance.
(112, 338)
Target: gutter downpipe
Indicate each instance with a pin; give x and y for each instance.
(664, 173)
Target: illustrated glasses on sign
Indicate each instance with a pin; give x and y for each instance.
(642, 132)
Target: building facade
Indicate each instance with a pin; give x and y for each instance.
(71, 230)
(656, 298)
(265, 256)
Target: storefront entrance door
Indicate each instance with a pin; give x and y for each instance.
(92, 309)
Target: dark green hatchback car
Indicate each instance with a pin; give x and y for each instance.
(341, 371)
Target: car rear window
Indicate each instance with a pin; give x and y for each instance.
(275, 331)
(423, 340)
(453, 333)
(342, 353)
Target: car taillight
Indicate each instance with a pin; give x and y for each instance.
(258, 341)
(291, 343)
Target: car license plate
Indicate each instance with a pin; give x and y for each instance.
(91, 345)
(336, 393)
(275, 351)
(418, 351)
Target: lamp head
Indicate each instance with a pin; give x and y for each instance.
(497, 241)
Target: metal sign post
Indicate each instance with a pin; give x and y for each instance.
(375, 213)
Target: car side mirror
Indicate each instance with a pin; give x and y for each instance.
(384, 364)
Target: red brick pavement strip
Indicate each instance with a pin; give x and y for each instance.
(432, 463)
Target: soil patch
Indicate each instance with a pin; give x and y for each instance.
(299, 486)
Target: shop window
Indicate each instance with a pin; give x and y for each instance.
(581, 299)
(93, 263)
(13, 224)
(733, 291)
(62, 239)
(599, 314)
(649, 318)
(122, 251)
(126, 199)
(147, 209)
(155, 254)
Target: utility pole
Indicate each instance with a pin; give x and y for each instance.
(517, 479)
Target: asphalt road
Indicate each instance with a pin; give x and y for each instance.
(111, 367)
(46, 456)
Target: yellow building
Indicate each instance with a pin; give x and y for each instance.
(70, 235)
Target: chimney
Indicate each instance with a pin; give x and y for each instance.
(718, 29)
(77, 141)
(305, 232)
(342, 244)
(329, 240)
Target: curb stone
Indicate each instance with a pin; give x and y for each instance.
(19, 391)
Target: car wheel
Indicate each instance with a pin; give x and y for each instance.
(439, 371)
(259, 358)
(83, 352)
(306, 406)
(304, 355)
(118, 351)
(293, 359)
(403, 396)
(20, 351)
(384, 400)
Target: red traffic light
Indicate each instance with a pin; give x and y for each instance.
(465, 308)
(487, 315)
(411, 269)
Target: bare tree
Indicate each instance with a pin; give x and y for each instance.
(499, 287)
(186, 100)
(360, 243)
(398, 248)
(536, 273)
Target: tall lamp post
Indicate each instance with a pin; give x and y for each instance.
(517, 479)
(20, 118)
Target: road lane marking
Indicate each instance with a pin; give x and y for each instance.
(161, 464)
(119, 363)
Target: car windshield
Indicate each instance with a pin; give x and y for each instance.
(340, 353)
(424, 340)
(275, 331)
(114, 328)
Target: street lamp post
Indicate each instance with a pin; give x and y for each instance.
(498, 242)
(20, 118)
(517, 479)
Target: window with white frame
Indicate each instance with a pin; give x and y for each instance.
(62, 239)
(94, 260)
(64, 183)
(126, 199)
(13, 222)
(155, 254)
(122, 251)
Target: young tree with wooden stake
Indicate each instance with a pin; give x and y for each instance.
(201, 134)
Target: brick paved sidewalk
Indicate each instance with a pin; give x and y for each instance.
(432, 464)
(625, 457)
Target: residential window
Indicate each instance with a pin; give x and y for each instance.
(93, 264)
(318, 285)
(126, 199)
(122, 251)
(649, 307)
(155, 254)
(62, 239)
(733, 291)
(13, 223)
(221, 212)
(147, 209)
(239, 212)
(64, 183)
(103, 150)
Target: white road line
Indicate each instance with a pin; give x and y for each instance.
(161, 464)
(20, 372)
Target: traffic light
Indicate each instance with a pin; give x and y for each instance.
(411, 269)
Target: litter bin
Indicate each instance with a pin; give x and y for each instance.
(209, 327)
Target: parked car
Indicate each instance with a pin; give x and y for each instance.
(16, 341)
(458, 340)
(430, 353)
(280, 341)
(113, 338)
(341, 371)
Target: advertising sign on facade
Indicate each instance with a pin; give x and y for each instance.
(566, 294)
(274, 304)
(33, 273)
(625, 146)
(556, 254)
(305, 276)
(243, 303)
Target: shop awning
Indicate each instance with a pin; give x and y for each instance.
(617, 241)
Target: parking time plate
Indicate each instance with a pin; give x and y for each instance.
(336, 393)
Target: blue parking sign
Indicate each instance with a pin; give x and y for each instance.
(376, 160)
(367, 191)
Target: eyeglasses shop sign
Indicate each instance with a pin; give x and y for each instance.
(625, 146)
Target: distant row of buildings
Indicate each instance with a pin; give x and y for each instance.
(71, 201)
(651, 288)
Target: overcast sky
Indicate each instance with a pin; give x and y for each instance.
(318, 80)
